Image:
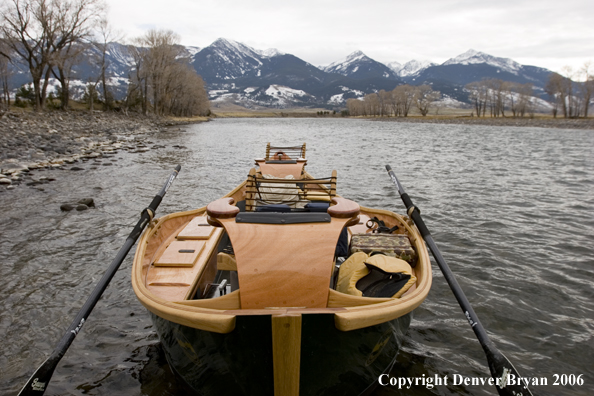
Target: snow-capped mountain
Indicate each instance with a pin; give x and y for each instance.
(234, 71)
(237, 73)
(359, 66)
(472, 57)
(451, 76)
(227, 60)
(413, 67)
(395, 66)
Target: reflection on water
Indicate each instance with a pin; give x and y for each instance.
(510, 208)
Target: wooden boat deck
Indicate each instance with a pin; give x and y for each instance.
(174, 282)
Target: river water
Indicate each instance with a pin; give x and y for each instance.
(512, 210)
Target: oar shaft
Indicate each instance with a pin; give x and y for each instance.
(92, 300)
(501, 368)
(39, 380)
(415, 214)
(471, 316)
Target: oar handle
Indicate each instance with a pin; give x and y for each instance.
(38, 382)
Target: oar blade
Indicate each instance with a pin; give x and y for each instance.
(38, 382)
(509, 382)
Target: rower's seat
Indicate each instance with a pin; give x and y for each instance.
(283, 161)
(263, 189)
(284, 259)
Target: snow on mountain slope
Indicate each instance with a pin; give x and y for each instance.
(119, 54)
(232, 50)
(476, 57)
(281, 92)
(270, 52)
(359, 66)
(348, 65)
(192, 50)
(413, 67)
(395, 66)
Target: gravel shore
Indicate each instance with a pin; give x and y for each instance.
(30, 140)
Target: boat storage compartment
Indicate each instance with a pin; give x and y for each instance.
(394, 245)
(185, 261)
(181, 254)
(198, 228)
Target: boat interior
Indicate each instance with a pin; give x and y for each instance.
(283, 239)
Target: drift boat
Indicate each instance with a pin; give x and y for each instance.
(282, 286)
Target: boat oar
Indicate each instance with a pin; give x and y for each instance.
(505, 376)
(38, 382)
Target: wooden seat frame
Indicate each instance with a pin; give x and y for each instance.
(307, 189)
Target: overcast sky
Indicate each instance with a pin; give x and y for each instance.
(542, 33)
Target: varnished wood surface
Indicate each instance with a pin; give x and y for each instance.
(284, 265)
(198, 228)
(344, 208)
(161, 279)
(160, 299)
(222, 208)
(227, 302)
(181, 253)
(286, 353)
(282, 170)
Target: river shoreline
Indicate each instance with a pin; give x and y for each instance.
(55, 139)
(537, 122)
(52, 139)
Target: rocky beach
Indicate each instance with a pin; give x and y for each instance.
(58, 139)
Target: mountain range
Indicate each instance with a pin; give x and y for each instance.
(236, 73)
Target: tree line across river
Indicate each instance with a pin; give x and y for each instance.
(489, 97)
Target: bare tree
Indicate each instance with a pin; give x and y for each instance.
(424, 97)
(586, 86)
(524, 104)
(478, 94)
(355, 107)
(63, 61)
(163, 72)
(372, 104)
(162, 52)
(404, 96)
(384, 99)
(496, 96)
(105, 35)
(5, 74)
(560, 88)
(39, 31)
(138, 87)
(553, 89)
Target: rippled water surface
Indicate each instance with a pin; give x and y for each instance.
(512, 210)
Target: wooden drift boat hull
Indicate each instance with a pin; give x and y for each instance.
(247, 299)
(333, 362)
